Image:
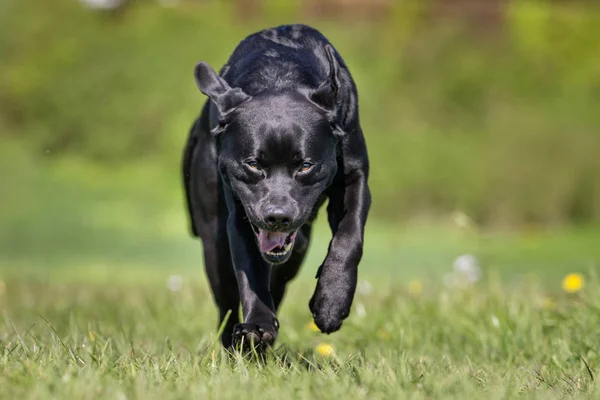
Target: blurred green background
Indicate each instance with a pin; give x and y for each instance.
(482, 121)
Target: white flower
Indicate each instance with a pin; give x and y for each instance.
(102, 4)
(466, 272)
(495, 321)
(466, 267)
(174, 283)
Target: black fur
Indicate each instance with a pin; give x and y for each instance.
(279, 136)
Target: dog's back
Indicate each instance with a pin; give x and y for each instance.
(284, 57)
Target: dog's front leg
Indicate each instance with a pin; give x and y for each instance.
(260, 325)
(347, 211)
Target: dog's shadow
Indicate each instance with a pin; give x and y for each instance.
(285, 357)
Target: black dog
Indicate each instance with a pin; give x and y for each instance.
(279, 135)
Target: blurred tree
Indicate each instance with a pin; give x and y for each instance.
(509, 127)
(364, 10)
(248, 9)
(482, 16)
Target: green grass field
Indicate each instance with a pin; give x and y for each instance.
(102, 293)
(93, 330)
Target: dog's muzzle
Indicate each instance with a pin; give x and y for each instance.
(275, 247)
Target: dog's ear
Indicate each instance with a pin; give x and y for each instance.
(325, 95)
(222, 95)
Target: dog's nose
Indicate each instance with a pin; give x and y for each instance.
(278, 218)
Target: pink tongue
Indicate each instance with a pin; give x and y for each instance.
(270, 240)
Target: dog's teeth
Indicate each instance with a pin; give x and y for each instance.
(286, 249)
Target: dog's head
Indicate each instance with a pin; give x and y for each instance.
(277, 152)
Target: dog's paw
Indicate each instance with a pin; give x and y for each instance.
(329, 308)
(257, 336)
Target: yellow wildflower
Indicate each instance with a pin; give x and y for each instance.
(572, 283)
(311, 326)
(325, 349)
(415, 287)
(92, 336)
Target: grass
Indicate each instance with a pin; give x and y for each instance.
(121, 333)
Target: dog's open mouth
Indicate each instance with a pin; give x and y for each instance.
(275, 247)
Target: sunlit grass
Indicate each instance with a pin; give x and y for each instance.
(122, 339)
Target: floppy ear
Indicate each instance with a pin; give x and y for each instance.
(325, 95)
(222, 95)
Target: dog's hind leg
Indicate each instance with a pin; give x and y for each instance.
(281, 275)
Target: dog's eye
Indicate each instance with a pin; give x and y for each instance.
(305, 167)
(253, 164)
